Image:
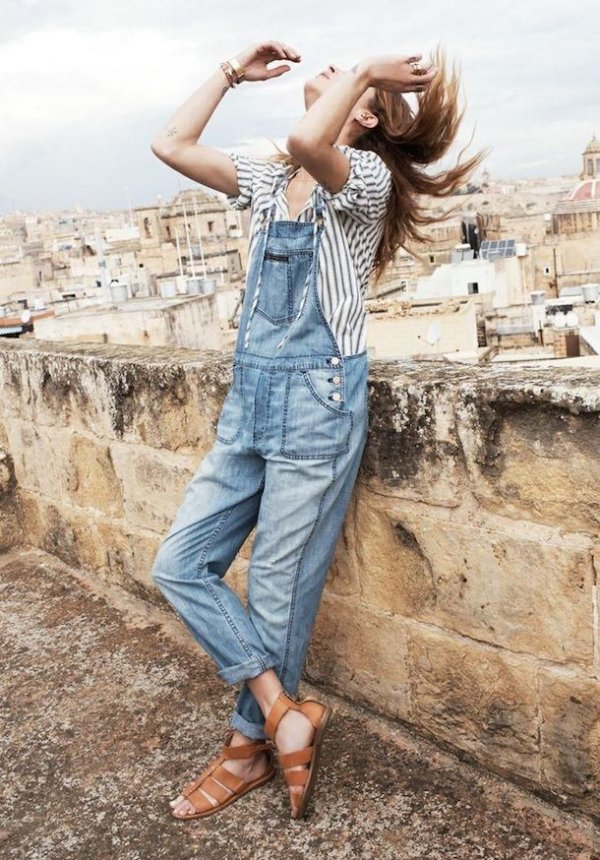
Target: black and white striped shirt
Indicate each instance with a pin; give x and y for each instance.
(350, 238)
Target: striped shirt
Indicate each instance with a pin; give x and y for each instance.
(350, 237)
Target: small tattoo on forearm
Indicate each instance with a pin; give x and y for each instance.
(171, 131)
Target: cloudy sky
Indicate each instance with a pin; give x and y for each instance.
(85, 86)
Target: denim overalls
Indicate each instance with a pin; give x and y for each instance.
(289, 442)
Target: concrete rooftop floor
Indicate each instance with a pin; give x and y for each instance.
(107, 707)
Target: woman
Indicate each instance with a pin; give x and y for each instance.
(293, 426)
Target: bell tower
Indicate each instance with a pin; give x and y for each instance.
(591, 160)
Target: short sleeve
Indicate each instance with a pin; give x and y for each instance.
(252, 175)
(366, 192)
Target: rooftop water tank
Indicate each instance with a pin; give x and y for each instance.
(167, 289)
(208, 285)
(194, 286)
(590, 292)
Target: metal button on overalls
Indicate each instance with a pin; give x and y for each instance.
(289, 442)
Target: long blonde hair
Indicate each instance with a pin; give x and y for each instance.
(408, 142)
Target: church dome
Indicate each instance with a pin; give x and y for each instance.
(589, 189)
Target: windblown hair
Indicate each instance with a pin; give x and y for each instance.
(408, 142)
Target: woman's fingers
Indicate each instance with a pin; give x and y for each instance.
(282, 49)
(279, 49)
(424, 77)
(277, 71)
(291, 52)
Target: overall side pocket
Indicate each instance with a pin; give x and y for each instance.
(313, 428)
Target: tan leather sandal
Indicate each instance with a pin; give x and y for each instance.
(319, 715)
(220, 783)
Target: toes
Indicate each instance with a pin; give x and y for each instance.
(182, 810)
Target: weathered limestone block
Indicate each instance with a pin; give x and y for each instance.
(128, 557)
(110, 548)
(10, 525)
(522, 586)
(413, 449)
(153, 483)
(41, 457)
(91, 481)
(392, 571)
(360, 653)
(67, 532)
(476, 697)
(49, 384)
(570, 735)
(165, 398)
(531, 451)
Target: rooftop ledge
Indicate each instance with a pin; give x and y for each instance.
(462, 599)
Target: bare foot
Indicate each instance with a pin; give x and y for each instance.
(294, 731)
(246, 768)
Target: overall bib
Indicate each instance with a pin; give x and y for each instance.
(288, 446)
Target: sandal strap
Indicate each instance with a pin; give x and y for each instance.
(295, 758)
(191, 786)
(245, 750)
(199, 801)
(281, 704)
(313, 710)
(216, 790)
(229, 779)
(296, 777)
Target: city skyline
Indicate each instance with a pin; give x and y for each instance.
(86, 90)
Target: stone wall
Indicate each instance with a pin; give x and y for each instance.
(462, 599)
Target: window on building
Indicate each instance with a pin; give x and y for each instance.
(211, 226)
(432, 258)
(546, 270)
(472, 287)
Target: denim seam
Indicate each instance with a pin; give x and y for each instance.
(211, 591)
(299, 565)
(237, 368)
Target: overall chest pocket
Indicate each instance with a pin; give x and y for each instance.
(282, 281)
(314, 427)
(231, 417)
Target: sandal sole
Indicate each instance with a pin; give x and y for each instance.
(312, 770)
(251, 785)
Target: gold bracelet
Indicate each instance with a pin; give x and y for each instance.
(237, 67)
(227, 70)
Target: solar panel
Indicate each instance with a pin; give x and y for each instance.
(493, 248)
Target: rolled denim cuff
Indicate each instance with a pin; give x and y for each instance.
(249, 669)
(251, 730)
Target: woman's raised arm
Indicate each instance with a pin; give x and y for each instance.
(312, 142)
(177, 142)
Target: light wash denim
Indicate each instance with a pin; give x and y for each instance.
(288, 446)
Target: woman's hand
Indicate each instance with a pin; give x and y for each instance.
(395, 73)
(255, 59)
